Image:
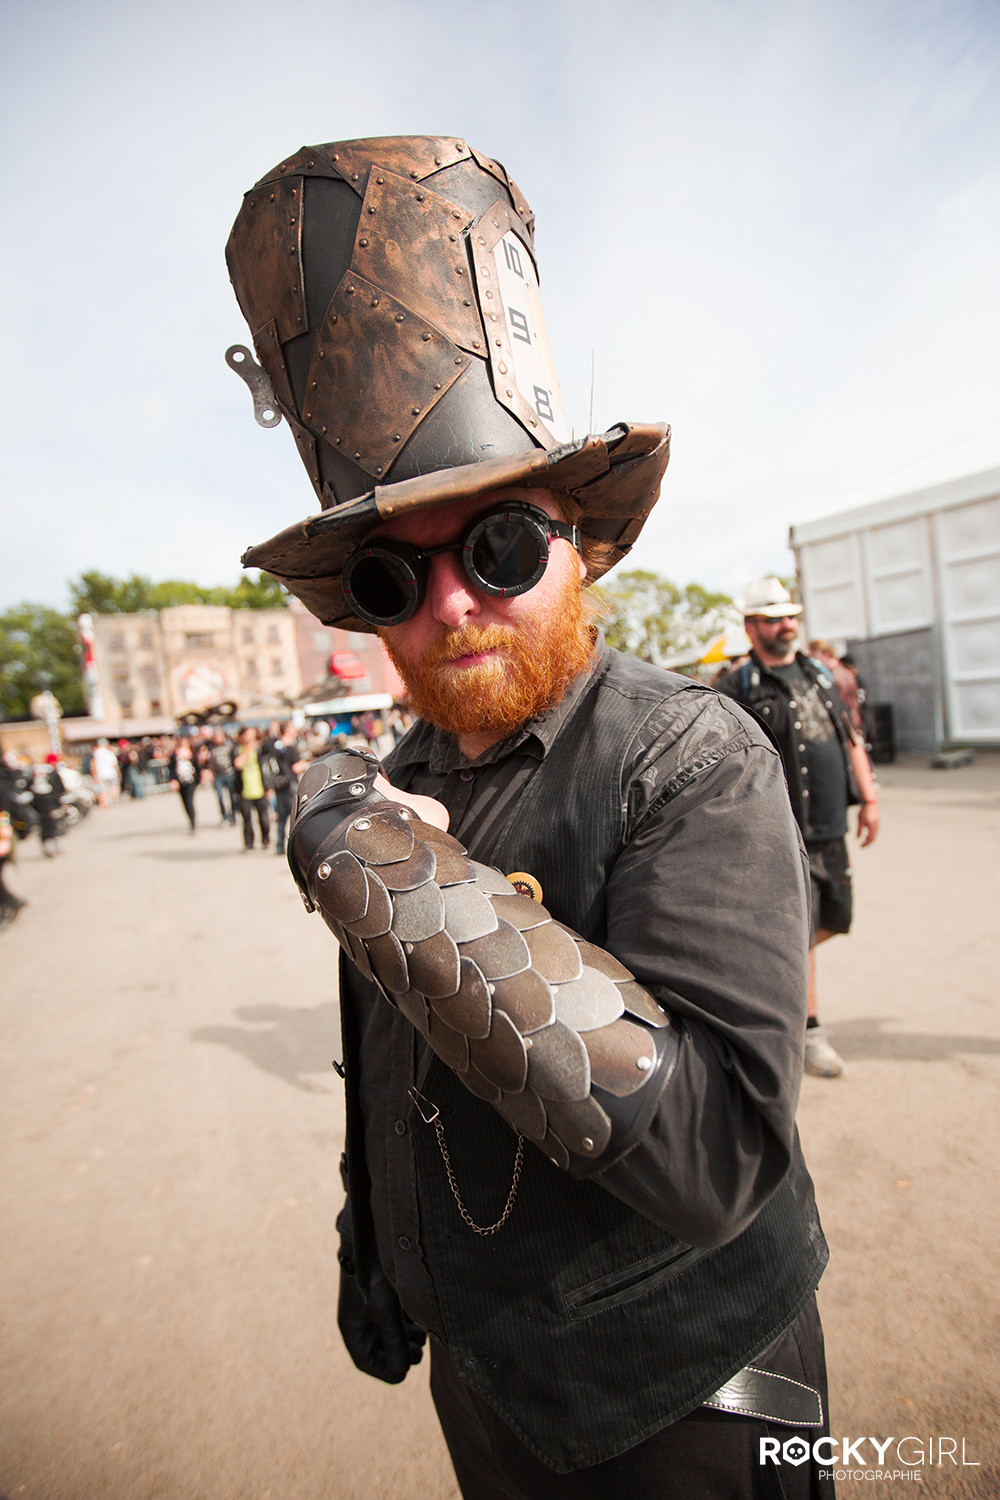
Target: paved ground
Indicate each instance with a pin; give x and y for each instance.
(173, 1126)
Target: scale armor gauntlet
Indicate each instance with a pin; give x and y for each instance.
(552, 1031)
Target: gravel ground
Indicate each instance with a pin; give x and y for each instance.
(173, 1127)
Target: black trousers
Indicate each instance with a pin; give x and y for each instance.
(186, 790)
(707, 1455)
(247, 805)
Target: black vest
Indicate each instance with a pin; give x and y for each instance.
(583, 1324)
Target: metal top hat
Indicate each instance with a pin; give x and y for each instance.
(391, 289)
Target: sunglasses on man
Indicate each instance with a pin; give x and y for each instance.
(504, 553)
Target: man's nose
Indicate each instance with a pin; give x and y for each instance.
(450, 593)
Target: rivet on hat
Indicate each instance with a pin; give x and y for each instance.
(380, 180)
(272, 197)
(395, 437)
(475, 343)
(399, 317)
(510, 393)
(489, 294)
(283, 166)
(466, 302)
(350, 291)
(374, 302)
(313, 383)
(437, 161)
(437, 385)
(426, 337)
(355, 176)
(323, 431)
(334, 317)
(455, 214)
(336, 156)
(308, 415)
(357, 455)
(415, 411)
(420, 197)
(453, 238)
(414, 175)
(459, 270)
(459, 361)
(310, 163)
(371, 210)
(503, 370)
(363, 244)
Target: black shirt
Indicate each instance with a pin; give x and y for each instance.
(705, 903)
(827, 817)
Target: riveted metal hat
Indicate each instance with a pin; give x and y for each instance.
(391, 290)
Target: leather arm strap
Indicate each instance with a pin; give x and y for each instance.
(552, 1031)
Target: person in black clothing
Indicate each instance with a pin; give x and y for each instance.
(47, 794)
(224, 777)
(826, 767)
(282, 765)
(10, 819)
(183, 774)
(571, 1023)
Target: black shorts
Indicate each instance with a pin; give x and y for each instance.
(832, 892)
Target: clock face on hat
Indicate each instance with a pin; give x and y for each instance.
(534, 367)
(524, 370)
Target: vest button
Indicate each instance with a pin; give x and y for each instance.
(466, 775)
(400, 1127)
(404, 1242)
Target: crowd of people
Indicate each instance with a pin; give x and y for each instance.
(252, 772)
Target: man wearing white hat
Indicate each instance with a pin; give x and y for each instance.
(826, 768)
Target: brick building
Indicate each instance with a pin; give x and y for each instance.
(194, 656)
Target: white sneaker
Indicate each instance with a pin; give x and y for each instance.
(822, 1060)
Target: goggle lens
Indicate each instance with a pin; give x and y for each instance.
(505, 555)
(378, 585)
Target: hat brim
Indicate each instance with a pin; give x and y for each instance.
(773, 611)
(614, 477)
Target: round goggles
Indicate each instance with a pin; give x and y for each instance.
(504, 552)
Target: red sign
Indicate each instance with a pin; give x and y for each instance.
(345, 664)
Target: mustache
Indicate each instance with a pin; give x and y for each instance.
(469, 641)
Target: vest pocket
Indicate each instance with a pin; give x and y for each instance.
(631, 1282)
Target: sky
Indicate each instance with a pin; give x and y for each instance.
(772, 223)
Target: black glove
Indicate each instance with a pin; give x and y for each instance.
(379, 1336)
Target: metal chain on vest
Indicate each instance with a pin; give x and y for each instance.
(435, 1120)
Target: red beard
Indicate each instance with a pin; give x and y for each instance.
(528, 675)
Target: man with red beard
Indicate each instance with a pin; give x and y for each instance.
(572, 1022)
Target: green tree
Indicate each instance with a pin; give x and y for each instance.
(651, 617)
(262, 592)
(97, 593)
(38, 649)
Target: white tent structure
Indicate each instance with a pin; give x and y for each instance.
(909, 582)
